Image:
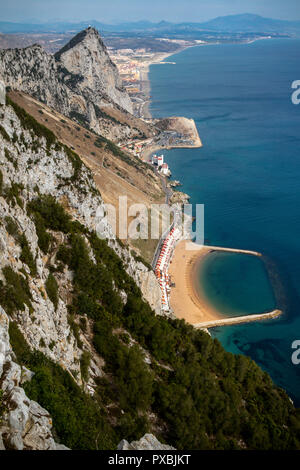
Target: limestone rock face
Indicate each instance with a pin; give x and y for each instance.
(80, 78)
(42, 171)
(147, 442)
(32, 169)
(34, 71)
(86, 57)
(148, 285)
(24, 424)
(2, 93)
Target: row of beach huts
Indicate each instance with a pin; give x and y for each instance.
(162, 266)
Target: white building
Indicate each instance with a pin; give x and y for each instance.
(160, 160)
(165, 169)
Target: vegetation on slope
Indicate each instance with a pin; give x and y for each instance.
(29, 123)
(207, 398)
(193, 393)
(79, 420)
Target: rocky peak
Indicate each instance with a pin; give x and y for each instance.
(86, 56)
(77, 82)
(88, 34)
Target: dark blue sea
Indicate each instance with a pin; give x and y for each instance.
(248, 177)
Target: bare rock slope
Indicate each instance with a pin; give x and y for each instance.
(24, 424)
(32, 167)
(86, 58)
(80, 81)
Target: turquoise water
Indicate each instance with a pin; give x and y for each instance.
(247, 173)
(236, 284)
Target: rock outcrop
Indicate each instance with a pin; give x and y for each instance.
(28, 164)
(34, 71)
(2, 93)
(147, 442)
(80, 81)
(86, 58)
(31, 167)
(24, 424)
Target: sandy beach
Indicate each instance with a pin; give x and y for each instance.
(158, 58)
(186, 299)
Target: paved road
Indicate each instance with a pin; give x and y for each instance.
(168, 194)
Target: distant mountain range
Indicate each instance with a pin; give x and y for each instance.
(245, 23)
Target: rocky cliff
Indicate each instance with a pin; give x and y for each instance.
(34, 71)
(80, 81)
(24, 424)
(87, 68)
(32, 169)
(33, 165)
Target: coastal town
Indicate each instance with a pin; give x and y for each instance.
(133, 66)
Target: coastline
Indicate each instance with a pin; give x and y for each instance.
(146, 114)
(159, 59)
(146, 87)
(187, 300)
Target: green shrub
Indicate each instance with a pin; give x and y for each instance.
(19, 344)
(26, 255)
(15, 294)
(28, 122)
(85, 364)
(78, 420)
(10, 158)
(76, 162)
(11, 227)
(75, 328)
(80, 118)
(44, 238)
(52, 213)
(13, 194)
(102, 114)
(4, 133)
(64, 254)
(52, 289)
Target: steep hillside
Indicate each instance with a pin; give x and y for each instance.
(110, 165)
(102, 363)
(116, 173)
(80, 82)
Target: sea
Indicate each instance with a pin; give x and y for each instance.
(247, 175)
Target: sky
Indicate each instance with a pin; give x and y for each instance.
(113, 11)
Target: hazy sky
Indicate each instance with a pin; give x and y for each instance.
(153, 10)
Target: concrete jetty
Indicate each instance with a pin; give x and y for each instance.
(236, 320)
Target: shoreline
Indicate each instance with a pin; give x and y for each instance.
(146, 87)
(187, 300)
(160, 58)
